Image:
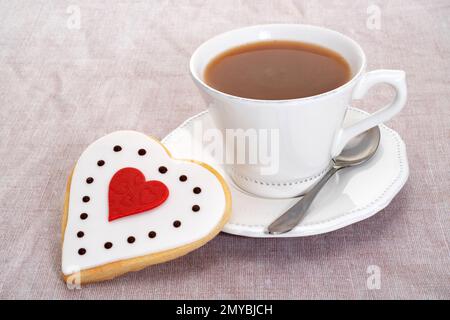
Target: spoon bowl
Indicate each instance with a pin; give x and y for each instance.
(359, 149)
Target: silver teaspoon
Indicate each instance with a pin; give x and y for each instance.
(357, 151)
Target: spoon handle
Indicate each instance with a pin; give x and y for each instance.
(288, 220)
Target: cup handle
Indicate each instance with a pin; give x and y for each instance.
(395, 78)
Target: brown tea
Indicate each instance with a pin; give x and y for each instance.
(277, 70)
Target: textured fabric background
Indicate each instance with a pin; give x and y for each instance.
(126, 67)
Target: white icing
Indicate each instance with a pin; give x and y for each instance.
(178, 206)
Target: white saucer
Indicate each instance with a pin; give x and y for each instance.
(350, 196)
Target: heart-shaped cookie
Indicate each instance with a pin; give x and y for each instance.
(130, 205)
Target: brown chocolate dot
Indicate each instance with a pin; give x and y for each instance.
(152, 234)
(183, 178)
(83, 216)
(131, 239)
(89, 180)
(142, 152)
(197, 190)
(80, 234)
(117, 148)
(81, 251)
(86, 199)
(108, 245)
(100, 163)
(162, 169)
(176, 223)
(195, 208)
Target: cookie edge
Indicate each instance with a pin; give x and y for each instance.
(117, 268)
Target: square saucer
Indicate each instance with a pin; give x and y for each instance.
(352, 195)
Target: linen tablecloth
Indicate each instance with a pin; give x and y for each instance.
(72, 71)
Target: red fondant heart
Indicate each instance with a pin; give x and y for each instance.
(129, 193)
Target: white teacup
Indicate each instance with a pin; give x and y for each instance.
(309, 131)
